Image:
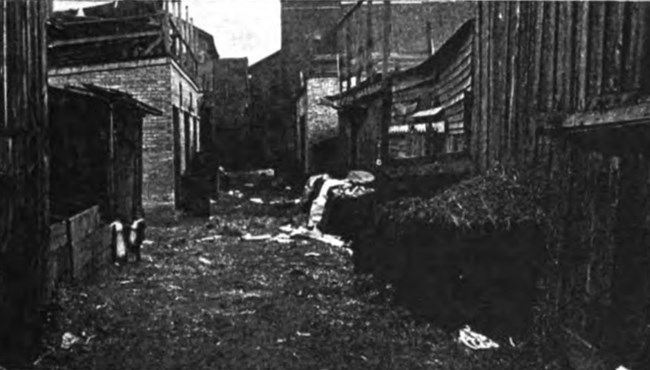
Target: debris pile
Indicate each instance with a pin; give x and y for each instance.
(495, 201)
(464, 255)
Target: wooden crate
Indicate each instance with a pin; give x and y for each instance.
(82, 227)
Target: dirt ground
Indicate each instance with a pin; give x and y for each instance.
(203, 298)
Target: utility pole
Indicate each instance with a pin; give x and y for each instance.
(382, 150)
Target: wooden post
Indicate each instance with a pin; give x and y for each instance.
(582, 40)
(429, 41)
(386, 39)
(386, 91)
(111, 161)
(369, 41)
(166, 33)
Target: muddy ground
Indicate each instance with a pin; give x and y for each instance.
(197, 302)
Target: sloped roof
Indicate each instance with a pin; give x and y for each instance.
(109, 94)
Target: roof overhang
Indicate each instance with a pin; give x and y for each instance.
(109, 95)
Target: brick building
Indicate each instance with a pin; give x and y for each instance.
(317, 124)
(147, 50)
(225, 110)
(305, 33)
(268, 111)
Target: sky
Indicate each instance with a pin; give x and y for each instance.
(241, 28)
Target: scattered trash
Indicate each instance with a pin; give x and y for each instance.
(50, 350)
(285, 202)
(205, 261)
(173, 287)
(300, 334)
(68, 340)
(124, 282)
(287, 188)
(269, 172)
(286, 228)
(512, 342)
(257, 200)
(235, 193)
(360, 177)
(100, 306)
(281, 340)
(210, 238)
(256, 237)
(282, 238)
(147, 242)
(212, 201)
(312, 254)
(329, 239)
(475, 340)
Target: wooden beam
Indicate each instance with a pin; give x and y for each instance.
(639, 113)
(596, 60)
(153, 45)
(88, 40)
(582, 41)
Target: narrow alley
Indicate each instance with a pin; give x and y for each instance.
(203, 298)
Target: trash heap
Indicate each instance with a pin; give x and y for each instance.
(495, 201)
(464, 256)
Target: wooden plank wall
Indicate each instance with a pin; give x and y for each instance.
(536, 63)
(24, 224)
(450, 85)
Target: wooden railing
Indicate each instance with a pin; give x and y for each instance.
(126, 38)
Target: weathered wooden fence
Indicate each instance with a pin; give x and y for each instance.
(24, 228)
(561, 86)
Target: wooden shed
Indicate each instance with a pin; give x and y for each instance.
(413, 125)
(562, 87)
(95, 173)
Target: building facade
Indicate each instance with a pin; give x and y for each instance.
(158, 69)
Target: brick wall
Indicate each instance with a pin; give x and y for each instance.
(322, 121)
(155, 82)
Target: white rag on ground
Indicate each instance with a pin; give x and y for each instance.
(318, 205)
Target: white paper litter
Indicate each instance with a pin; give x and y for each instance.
(257, 200)
(205, 261)
(475, 340)
(69, 339)
(282, 238)
(286, 228)
(256, 237)
(210, 238)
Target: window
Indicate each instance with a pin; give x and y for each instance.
(415, 134)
